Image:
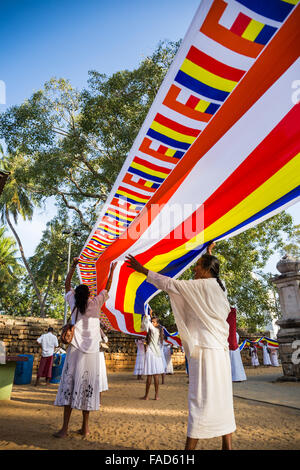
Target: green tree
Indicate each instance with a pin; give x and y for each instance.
(242, 260)
(49, 265)
(8, 261)
(76, 142)
(15, 201)
(292, 245)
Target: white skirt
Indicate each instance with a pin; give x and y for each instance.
(153, 364)
(274, 360)
(266, 358)
(103, 385)
(210, 396)
(254, 360)
(139, 364)
(169, 366)
(163, 359)
(79, 384)
(237, 368)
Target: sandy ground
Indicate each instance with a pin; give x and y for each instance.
(126, 422)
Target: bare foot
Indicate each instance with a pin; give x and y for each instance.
(60, 434)
(144, 398)
(83, 433)
(156, 398)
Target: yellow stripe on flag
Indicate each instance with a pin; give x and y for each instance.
(130, 196)
(252, 31)
(188, 139)
(275, 187)
(202, 106)
(206, 77)
(149, 171)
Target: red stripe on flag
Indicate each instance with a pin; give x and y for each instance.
(140, 185)
(145, 148)
(240, 24)
(275, 151)
(276, 58)
(175, 126)
(134, 193)
(192, 102)
(162, 169)
(214, 66)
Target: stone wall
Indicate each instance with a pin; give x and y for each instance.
(19, 335)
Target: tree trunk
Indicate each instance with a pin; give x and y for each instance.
(43, 312)
(36, 289)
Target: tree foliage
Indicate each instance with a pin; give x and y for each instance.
(70, 145)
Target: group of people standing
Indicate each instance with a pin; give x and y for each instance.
(270, 357)
(201, 308)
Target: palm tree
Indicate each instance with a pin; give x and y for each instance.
(14, 202)
(8, 261)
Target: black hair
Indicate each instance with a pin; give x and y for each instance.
(212, 264)
(82, 294)
(50, 329)
(161, 332)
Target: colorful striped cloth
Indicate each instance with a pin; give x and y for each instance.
(217, 154)
(272, 343)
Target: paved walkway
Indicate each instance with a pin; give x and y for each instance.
(261, 385)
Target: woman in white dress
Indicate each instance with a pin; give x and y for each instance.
(274, 357)
(253, 354)
(153, 365)
(79, 385)
(237, 368)
(201, 308)
(163, 359)
(140, 358)
(168, 351)
(266, 354)
(103, 384)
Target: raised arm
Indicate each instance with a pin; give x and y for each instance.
(109, 280)
(164, 283)
(134, 264)
(70, 274)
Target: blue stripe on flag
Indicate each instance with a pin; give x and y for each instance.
(199, 87)
(146, 289)
(265, 34)
(167, 140)
(276, 10)
(145, 175)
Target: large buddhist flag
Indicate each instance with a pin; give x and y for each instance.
(218, 152)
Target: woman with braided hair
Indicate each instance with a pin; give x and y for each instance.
(79, 384)
(200, 308)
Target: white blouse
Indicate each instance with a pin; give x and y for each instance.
(154, 344)
(200, 309)
(87, 334)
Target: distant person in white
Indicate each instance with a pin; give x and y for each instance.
(48, 342)
(274, 357)
(168, 351)
(103, 374)
(253, 354)
(140, 358)
(237, 368)
(266, 354)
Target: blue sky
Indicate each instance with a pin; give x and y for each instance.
(67, 38)
(41, 39)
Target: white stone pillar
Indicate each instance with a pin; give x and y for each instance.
(288, 287)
